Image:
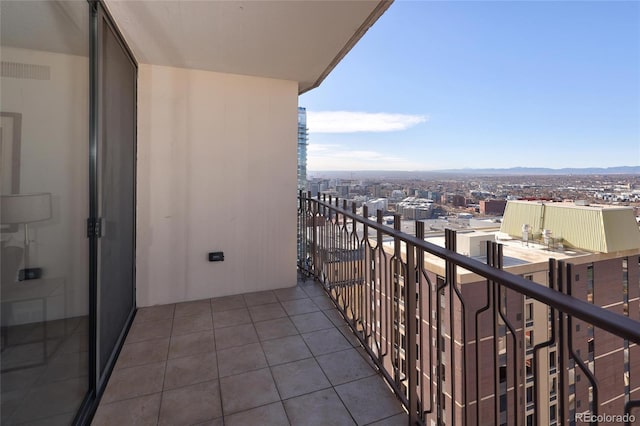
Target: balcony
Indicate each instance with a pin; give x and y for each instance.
(333, 349)
(273, 357)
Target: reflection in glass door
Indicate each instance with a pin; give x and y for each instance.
(44, 133)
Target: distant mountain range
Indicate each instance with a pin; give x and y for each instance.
(622, 170)
(399, 174)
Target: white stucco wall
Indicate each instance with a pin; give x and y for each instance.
(216, 171)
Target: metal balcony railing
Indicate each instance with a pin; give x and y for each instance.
(467, 354)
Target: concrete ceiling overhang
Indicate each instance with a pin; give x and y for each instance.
(298, 40)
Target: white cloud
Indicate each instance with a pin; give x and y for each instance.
(314, 148)
(338, 157)
(352, 121)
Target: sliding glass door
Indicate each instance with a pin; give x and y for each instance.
(67, 181)
(116, 128)
(45, 202)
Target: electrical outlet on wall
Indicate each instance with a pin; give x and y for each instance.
(216, 256)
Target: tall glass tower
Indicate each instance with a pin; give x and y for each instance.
(303, 138)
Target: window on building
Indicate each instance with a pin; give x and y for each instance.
(529, 338)
(528, 312)
(503, 373)
(590, 283)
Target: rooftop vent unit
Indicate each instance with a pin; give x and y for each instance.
(525, 233)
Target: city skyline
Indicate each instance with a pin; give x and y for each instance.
(451, 85)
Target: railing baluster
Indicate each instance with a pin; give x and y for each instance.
(572, 352)
(385, 289)
(411, 332)
(485, 308)
(562, 355)
(397, 273)
(495, 295)
(551, 340)
(450, 243)
(367, 275)
(423, 291)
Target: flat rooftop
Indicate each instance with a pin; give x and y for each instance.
(516, 252)
(592, 228)
(573, 205)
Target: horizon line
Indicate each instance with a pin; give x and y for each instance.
(475, 168)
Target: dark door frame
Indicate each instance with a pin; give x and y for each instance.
(98, 379)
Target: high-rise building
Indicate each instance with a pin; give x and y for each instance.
(604, 252)
(490, 207)
(303, 140)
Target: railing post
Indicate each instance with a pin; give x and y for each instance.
(314, 236)
(301, 227)
(563, 359)
(386, 295)
(411, 331)
(368, 287)
(395, 300)
(379, 219)
(450, 280)
(424, 294)
(495, 290)
(308, 243)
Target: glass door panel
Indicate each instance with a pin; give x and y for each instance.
(44, 133)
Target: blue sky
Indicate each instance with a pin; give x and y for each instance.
(475, 84)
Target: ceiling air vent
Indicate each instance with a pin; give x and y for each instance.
(28, 71)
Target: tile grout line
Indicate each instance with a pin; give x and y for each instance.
(269, 367)
(166, 364)
(316, 361)
(215, 351)
(333, 388)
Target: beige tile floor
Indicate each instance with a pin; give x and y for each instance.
(283, 357)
